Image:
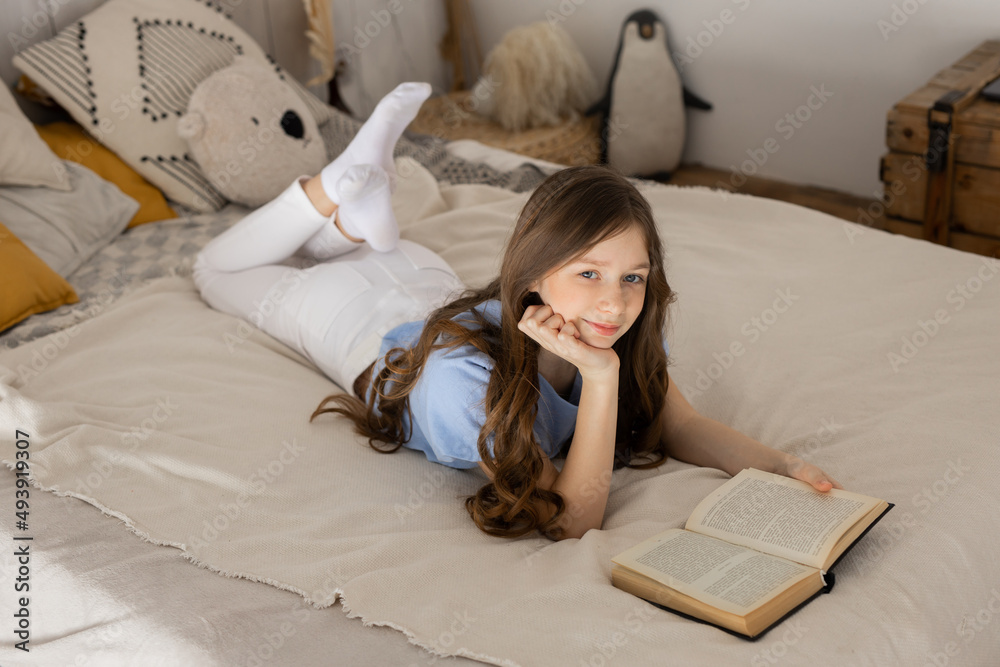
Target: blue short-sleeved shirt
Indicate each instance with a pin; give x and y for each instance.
(447, 400)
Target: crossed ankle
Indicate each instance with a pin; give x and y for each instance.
(318, 196)
(340, 228)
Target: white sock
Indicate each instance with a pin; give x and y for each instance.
(377, 138)
(366, 206)
(365, 212)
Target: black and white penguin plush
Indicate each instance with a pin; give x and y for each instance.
(643, 126)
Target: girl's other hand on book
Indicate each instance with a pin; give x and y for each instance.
(796, 468)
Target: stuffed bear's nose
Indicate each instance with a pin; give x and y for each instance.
(292, 125)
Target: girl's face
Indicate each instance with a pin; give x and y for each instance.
(602, 291)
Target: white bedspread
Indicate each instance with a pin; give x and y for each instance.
(195, 432)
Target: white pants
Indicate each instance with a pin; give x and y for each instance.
(287, 270)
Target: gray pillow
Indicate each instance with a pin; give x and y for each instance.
(24, 157)
(65, 228)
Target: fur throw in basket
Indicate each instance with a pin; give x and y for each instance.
(535, 76)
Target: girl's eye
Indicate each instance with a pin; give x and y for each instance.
(588, 274)
(633, 278)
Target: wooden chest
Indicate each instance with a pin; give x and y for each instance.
(942, 172)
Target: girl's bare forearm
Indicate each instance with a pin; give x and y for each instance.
(706, 442)
(586, 476)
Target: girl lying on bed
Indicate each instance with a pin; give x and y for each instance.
(562, 354)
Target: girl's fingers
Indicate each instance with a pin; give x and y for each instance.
(562, 338)
(543, 317)
(570, 330)
(819, 479)
(822, 481)
(555, 334)
(549, 332)
(542, 312)
(555, 323)
(822, 485)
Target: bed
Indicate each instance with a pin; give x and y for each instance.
(184, 511)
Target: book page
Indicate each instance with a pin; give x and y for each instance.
(780, 516)
(726, 576)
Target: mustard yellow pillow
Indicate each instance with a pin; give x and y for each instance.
(70, 142)
(27, 284)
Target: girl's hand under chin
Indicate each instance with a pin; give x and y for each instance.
(561, 338)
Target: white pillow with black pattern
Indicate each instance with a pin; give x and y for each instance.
(126, 71)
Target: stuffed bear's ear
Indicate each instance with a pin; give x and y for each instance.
(191, 126)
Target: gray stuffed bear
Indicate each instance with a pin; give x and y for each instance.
(251, 133)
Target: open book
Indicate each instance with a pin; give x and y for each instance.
(750, 553)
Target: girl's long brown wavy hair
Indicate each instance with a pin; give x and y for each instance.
(568, 214)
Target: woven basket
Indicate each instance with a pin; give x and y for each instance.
(451, 117)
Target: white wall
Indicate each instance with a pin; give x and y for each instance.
(386, 42)
(762, 64)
